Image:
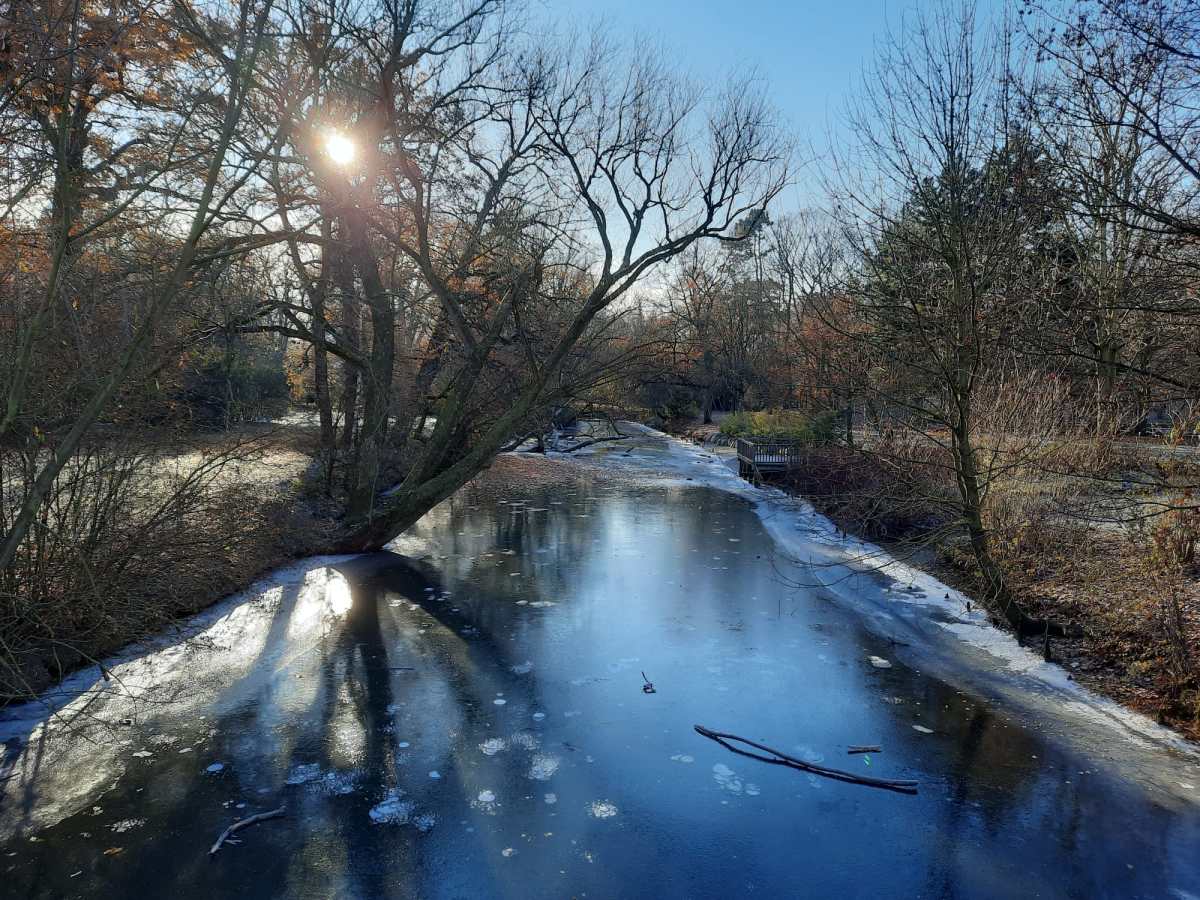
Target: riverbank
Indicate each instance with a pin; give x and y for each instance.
(1141, 620)
(149, 529)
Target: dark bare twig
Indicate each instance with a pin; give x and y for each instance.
(864, 748)
(903, 786)
(245, 823)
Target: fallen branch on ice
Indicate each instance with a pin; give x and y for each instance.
(902, 786)
(865, 748)
(245, 823)
(592, 441)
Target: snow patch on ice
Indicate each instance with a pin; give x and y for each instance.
(337, 783)
(602, 809)
(303, 774)
(543, 766)
(393, 809)
(486, 802)
(340, 783)
(526, 740)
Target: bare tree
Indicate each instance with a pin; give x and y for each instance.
(1121, 109)
(939, 232)
(1142, 58)
(521, 190)
(229, 56)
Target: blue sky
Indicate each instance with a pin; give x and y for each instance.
(810, 54)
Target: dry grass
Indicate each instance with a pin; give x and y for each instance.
(1142, 624)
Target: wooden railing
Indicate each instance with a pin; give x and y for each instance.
(767, 455)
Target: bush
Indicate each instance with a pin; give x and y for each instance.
(1176, 536)
(738, 424)
(781, 424)
(668, 401)
(863, 494)
(130, 537)
(253, 387)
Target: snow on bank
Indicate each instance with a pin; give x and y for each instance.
(73, 744)
(231, 630)
(868, 578)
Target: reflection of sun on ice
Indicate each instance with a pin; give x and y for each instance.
(339, 147)
(324, 595)
(337, 594)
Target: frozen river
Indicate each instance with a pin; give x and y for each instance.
(468, 721)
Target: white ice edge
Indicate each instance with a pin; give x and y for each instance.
(140, 665)
(797, 528)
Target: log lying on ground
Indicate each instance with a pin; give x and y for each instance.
(903, 786)
(245, 823)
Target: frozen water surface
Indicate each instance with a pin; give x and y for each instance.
(352, 691)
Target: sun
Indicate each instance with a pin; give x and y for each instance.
(340, 148)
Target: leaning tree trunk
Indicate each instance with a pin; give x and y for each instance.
(998, 596)
(706, 395)
(377, 394)
(417, 410)
(352, 336)
(321, 359)
(970, 494)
